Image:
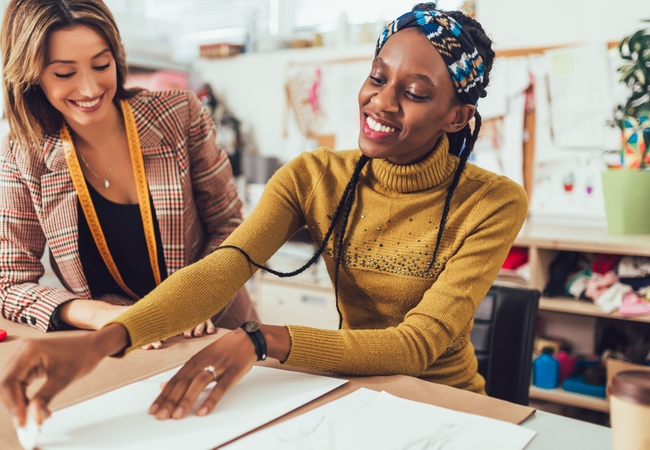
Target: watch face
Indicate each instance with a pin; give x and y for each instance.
(252, 326)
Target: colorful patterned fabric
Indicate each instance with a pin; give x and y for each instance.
(636, 134)
(454, 44)
(190, 183)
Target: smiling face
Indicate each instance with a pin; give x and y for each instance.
(408, 101)
(80, 78)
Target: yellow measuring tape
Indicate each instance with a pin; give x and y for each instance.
(143, 198)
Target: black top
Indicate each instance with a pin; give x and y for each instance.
(124, 234)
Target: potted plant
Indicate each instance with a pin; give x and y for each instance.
(628, 211)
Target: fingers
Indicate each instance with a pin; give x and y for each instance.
(207, 326)
(198, 331)
(155, 346)
(13, 396)
(38, 405)
(229, 364)
(179, 395)
(225, 382)
(192, 393)
(19, 374)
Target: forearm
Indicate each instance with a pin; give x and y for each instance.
(111, 340)
(89, 314)
(31, 303)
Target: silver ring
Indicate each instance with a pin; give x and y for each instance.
(211, 370)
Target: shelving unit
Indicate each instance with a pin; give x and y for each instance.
(544, 242)
(569, 398)
(583, 308)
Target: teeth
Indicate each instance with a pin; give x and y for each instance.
(88, 104)
(376, 126)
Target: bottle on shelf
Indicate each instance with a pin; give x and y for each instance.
(567, 363)
(546, 370)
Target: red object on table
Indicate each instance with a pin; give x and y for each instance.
(3, 335)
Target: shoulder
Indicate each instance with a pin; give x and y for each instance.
(27, 163)
(318, 164)
(494, 189)
(165, 102)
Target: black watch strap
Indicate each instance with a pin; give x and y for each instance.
(252, 328)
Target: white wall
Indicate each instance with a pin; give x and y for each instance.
(535, 23)
(253, 84)
(253, 87)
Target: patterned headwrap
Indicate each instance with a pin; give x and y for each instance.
(454, 44)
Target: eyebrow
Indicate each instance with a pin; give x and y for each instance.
(417, 76)
(61, 61)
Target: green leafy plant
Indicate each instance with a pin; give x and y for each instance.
(635, 51)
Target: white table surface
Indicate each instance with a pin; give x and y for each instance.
(556, 432)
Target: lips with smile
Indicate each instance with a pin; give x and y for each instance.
(375, 130)
(87, 105)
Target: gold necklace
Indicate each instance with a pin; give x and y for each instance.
(105, 180)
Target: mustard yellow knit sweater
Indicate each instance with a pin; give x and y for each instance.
(399, 317)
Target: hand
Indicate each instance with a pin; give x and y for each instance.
(232, 357)
(208, 326)
(61, 360)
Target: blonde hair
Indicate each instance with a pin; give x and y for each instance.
(26, 29)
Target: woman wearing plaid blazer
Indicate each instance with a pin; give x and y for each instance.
(79, 81)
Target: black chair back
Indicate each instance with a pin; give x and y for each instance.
(503, 337)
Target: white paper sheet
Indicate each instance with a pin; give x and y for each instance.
(119, 420)
(367, 419)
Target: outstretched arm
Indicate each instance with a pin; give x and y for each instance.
(58, 360)
(183, 300)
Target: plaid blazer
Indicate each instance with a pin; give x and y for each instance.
(190, 180)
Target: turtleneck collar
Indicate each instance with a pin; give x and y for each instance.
(430, 172)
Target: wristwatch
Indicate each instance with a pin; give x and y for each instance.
(252, 328)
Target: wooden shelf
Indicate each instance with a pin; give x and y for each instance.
(584, 308)
(569, 398)
(582, 239)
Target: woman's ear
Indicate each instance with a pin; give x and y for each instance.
(459, 117)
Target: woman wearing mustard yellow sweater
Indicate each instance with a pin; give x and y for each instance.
(413, 236)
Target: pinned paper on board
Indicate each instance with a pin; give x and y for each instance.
(119, 419)
(580, 95)
(499, 148)
(323, 107)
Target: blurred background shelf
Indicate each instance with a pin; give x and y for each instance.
(585, 308)
(569, 398)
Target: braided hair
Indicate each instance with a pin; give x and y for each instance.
(345, 205)
(461, 144)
